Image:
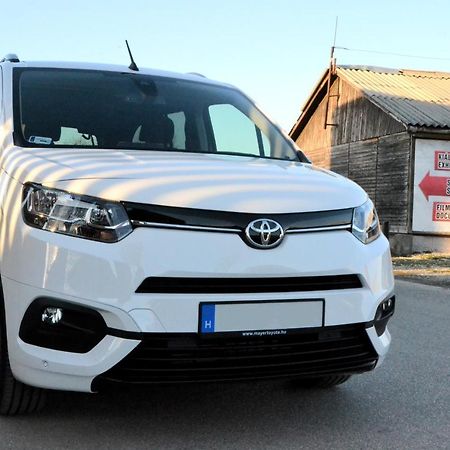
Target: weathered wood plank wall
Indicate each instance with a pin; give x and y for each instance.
(355, 117)
(393, 170)
(366, 145)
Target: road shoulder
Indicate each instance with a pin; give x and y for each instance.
(426, 268)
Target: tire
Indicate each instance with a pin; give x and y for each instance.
(15, 396)
(322, 382)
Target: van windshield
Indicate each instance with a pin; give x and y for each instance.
(112, 110)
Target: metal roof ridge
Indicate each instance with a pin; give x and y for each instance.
(388, 70)
(375, 69)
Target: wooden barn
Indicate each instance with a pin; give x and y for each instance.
(388, 130)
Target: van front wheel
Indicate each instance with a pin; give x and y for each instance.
(15, 396)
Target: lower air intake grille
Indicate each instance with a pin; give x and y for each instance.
(181, 358)
(173, 285)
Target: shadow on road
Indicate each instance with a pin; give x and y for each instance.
(193, 416)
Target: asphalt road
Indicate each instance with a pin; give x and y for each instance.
(403, 405)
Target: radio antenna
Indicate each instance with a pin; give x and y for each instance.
(335, 34)
(133, 65)
(331, 71)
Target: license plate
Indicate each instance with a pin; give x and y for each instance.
(260, 316)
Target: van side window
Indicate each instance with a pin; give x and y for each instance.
(246, 138)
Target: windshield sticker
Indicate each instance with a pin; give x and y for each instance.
(40, 140)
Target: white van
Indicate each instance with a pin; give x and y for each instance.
(159, 228)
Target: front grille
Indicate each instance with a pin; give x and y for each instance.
(141, 214)
(181, 285)
(182, 357)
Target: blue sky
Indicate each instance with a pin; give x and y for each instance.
(275, 50)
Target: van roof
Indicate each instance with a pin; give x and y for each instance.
(114, 68)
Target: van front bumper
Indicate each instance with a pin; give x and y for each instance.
(142, 325)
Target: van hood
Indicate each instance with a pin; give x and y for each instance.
(194, 180)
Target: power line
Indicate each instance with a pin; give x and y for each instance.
(404, 55)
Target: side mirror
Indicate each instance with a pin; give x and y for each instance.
(303, 158)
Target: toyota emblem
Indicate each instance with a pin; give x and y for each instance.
(264, 233)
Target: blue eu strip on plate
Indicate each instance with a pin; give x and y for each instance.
(208, 318)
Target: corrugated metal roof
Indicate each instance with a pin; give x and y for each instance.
(416, 98)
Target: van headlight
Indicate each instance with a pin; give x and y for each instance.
(365, 224)
(75, 215)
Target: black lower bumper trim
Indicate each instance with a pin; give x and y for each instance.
(187, 357)
(190, 285)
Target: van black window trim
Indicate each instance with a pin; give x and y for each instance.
(20, 140)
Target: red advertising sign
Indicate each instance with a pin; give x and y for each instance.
(438, 186)
(441, 211)
(431, 207)
(441, 160)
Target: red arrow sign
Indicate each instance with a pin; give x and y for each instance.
(431, 185)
